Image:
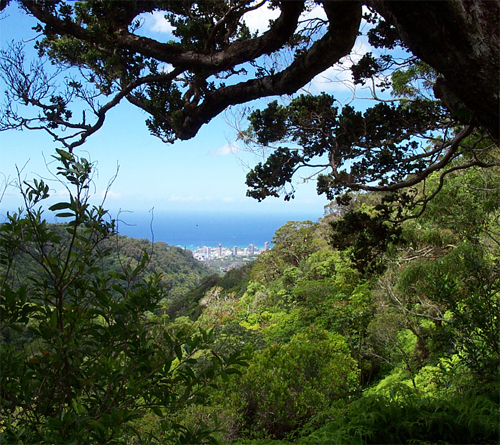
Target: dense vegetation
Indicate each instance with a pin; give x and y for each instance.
(400, 349)
(378, 324)
(312, 343)
(87, 350)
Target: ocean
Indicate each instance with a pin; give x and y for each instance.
(196, 229)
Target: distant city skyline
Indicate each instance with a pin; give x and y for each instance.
(209, 253)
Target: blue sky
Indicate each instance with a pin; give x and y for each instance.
(201, 174)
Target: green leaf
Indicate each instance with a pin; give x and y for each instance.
(157, 411)
(60, 206)
(65, 215)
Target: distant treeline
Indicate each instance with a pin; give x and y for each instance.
(179, 271)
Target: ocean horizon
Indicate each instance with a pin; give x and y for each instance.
(192, 229)
(195, 229)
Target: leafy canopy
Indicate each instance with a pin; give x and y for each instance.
(426, 53)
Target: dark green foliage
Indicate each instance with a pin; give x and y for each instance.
(383, 34)
(270, 179)
(409, 417)
(375, 147)
(367, 67)
(288, 384)
(368, 235)
(84, 358)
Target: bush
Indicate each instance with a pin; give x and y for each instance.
(89, 358)
(288, 385)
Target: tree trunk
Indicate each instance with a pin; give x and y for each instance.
(461, 40)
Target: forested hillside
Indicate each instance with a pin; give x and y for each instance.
(178, 270)
(365, 331)
(364, 327)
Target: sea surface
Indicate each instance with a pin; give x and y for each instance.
(196, 229)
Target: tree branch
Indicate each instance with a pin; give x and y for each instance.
(344, 17)
(451, 151)
(238, 52)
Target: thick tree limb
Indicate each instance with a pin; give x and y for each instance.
(344, 18)
(238, 52)
(461, 40)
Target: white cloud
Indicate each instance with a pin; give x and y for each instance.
(258, 20)
(225, 150)
(108, 194)
(166, 68)
(158, 23)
